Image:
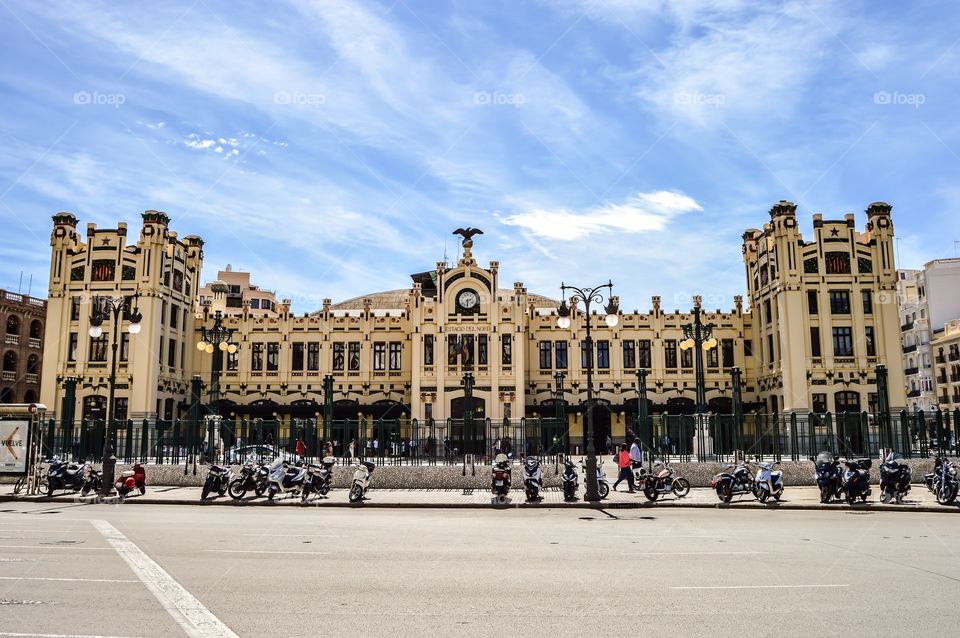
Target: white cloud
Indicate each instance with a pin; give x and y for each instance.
(642, 213)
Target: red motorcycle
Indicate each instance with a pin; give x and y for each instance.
(663, 481)
(129, 480)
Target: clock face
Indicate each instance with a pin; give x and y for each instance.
(468, 299)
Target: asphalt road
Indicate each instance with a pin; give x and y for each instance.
(68, 569)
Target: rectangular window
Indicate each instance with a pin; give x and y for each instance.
(815, 342)
(560, 355)
(177, 280)
(868, 338)
(163, 312)
(629, 354)
(379, 355)
(256, 357)
(339, 357)
(124, 346)
(767, 312)
(771, 355)
(748, 347)
(160, 351)
(120, 409)
(172, 352)
(713, 358)
(313, 357)
(453, 349)
(174, 315)
(98, 349)
(840, 302)
(819, 403)
(396, 350)
(254, 304)
(297, 361)
(843, 342)
(103, 270)
(686, 358)
(233, 361)
(726, 352)
(482, 350)
(183, 354)
(428, 350)
(353, 356)
(813, 305)
(72, 348)
(546, 355)
(466, 350)
(603, 354)
(273, 357)
(646, 356)
(75, 309)
(506, 350)
(867, 297)
(670, 354)
(584, 356)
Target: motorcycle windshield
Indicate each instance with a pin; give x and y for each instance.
(824, 457)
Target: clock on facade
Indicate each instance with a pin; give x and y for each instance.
(468, 300)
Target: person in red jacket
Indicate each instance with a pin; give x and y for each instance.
(623, 462)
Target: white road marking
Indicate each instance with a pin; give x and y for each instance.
(271, 535)
(5, 633)
(697, 553)
(71, 580)
(99, 549)
(196, 620)
(762, 587)
(264, 551)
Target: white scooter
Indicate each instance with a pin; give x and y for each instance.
(532, 478)
(361, 480)
(769, 482)
(286, 478)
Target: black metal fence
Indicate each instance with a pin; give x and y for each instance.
(712, 437)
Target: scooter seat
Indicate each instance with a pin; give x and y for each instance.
(217, 469)
(126, 473)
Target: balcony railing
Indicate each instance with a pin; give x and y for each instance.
(909, 371)
(942, 379)
(954, 356)
(11, 340)
(9, 376)
(31, 378)
(913, 393)
(910, 348)
(906, 326)
(954, 378)
(34, 343)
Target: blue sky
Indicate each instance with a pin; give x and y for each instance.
(331, 147)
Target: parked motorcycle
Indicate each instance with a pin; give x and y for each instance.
(218, 480)
(286, 477)
(130, 480)
(894, 479)
(602, 486)
(733, 480)
(500, 477)
(255, 477)
(943, 480)
(319, 478)
(769, 482)
(532, 478)
(361, 480)
(829, 476)
(856, 480)
(569, 480)
(663, 481)
(64, 476)
(93, 481)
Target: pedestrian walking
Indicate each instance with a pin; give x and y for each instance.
(609, 445)
(352, 447)
(376, 446)
(626, 474)
(636, 454)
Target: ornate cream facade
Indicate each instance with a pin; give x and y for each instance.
(821, 315)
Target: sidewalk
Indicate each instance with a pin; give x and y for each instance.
(797, 498)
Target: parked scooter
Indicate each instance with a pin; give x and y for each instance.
(856, 480)
(218, 479)
(829, 476)
(943, 480)
(570, 480)
(769, 482)
(285, 477)
(361, 480)
(93, 481)
(64, 476)
(733, 480)
(500, 477)
(664, 482)
(602, 486)
(130, 480)
(319, 478)
(255, 477)
(532, 478)
(894, 479)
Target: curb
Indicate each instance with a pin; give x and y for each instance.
(373, 504)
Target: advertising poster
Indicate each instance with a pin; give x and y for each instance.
(13, 446)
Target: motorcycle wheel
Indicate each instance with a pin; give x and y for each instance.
(356, 493)
(825, 494)
(305, 494)
(604, 490)
(778, 494)
(50, 489)
(851, 497)
(886, 495)
(236, 489)
(85, 490)
(724, 493)
(946, 495)
(764, 495)
(271, 492)
(324, 489)
(205, 492)
(681, 487)
(260, 489)
(650, 493)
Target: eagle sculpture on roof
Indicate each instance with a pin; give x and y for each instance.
(467, 234)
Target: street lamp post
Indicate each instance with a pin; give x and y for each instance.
(118, 308)
(589, 296)
(215, 341)
(699, 336)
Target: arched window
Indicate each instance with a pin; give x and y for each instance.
(6, 395)
(847, 401)
(30, 396)
(33, 364)
(13, 325)
(10, 361)
(36, 329)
